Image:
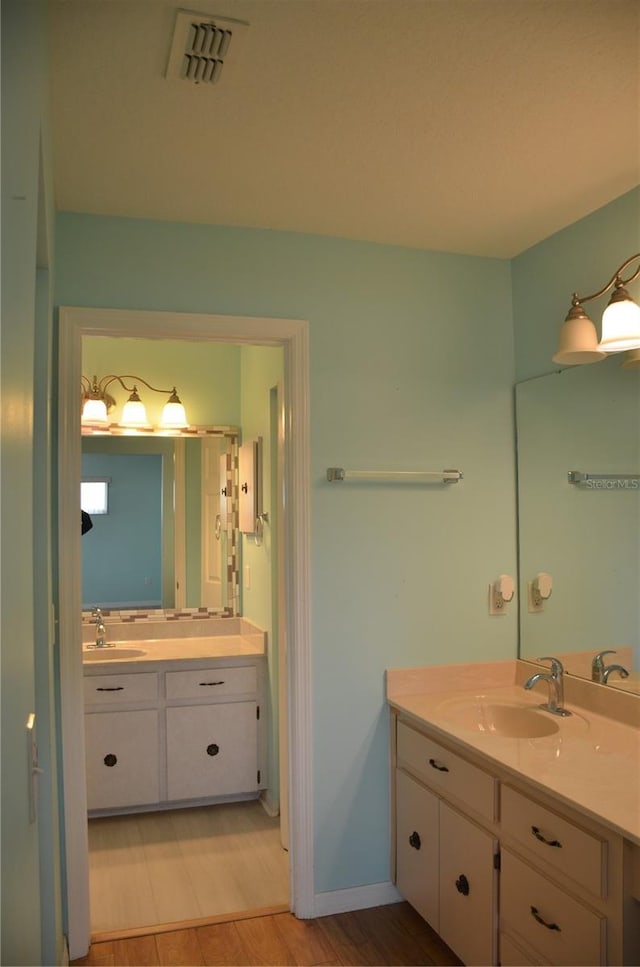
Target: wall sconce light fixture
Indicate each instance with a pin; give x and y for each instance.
(96, 402)
(578, 342)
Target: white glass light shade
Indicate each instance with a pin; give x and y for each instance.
(94, 413)
(578, 341)
(134, 414)
(621, 323)
(173, 416)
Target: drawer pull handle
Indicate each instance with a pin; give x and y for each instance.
(213, 749)
(414, 840)
(462, 885)
(548, 842)
(211, 683)
(550, 926)
(110, 759)
(434, 765)
(116, 688)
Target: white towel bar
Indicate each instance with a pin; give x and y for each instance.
(401, 476)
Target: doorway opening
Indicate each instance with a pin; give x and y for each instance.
(293, 528)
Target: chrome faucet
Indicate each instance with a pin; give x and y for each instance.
(555, 680)
(101, 631)
(600, 672)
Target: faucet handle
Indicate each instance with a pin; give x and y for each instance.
(97, 613)
(557, 668)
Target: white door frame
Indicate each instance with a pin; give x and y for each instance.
(293, 336)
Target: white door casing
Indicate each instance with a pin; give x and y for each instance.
(293, 336)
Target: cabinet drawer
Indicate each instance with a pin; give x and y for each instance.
(445, 771)
(417, 847)
(131, 687)
(212, 682)
(570, 849)
(561, 928)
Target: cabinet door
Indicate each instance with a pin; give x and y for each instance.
(212, 750)
(122, 759)
(467, 888)
(417, 847)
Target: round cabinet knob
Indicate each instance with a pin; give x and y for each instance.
(462, 885)
(414, 840)
(110, 759)
(213, 749)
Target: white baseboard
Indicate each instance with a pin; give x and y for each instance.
(270, 806)
(356, 898)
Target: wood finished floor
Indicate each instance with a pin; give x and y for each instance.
(184, 864)
(389, 935)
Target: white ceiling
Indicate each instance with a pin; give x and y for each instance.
(471, 126)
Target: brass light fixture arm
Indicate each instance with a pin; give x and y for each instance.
(616, 280)
(107, 380)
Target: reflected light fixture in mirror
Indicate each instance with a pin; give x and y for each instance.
(632, 360)
(578, 342)
(96, 403)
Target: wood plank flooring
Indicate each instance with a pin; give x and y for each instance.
(184, 864)
(388, 935)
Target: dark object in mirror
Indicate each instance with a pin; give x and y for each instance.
(87, 523)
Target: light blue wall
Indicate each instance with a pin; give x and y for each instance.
(581, 258)
(31, 896)
(411, 367)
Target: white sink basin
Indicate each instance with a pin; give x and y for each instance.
(500, 718)
(111, 654)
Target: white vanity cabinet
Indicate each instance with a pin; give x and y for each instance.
(504, 872)
(174, 735)
(445, 864)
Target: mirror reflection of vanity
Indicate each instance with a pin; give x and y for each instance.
(170, 538)
(584, 534)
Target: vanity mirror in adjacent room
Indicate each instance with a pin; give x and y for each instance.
(170, 537)
(583, 531)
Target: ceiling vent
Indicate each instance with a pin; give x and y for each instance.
(203, 46)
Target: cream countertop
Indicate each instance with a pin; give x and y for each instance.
(174, 641)
(591, 763)
(175, 649)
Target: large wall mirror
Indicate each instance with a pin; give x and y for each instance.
(167, 537)
(585, 534)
